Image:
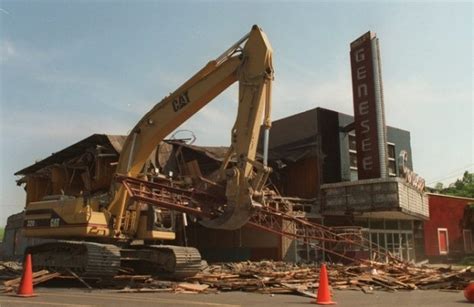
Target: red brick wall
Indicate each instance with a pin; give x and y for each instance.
(445, 212)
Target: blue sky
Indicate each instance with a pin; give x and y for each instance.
(72, 68)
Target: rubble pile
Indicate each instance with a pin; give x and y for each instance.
(37, 278)
(283, 277)
(9, 269)
(280, 277)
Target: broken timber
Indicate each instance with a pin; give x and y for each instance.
(38, 277)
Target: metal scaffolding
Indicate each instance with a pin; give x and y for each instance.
(275, 216)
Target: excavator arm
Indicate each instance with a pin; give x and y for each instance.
(252, 67)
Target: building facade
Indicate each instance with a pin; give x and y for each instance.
(314, 155)
(448, 232)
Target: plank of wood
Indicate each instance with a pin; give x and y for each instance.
(37, 280)
(367, 289)
(275, 290)
(14, 281)
(192, 287)
(340, 283)
(145, 290)
(391, 288)
(391, 280)
(301, 289)
(46, 277)
(132, 277)
(307, 293)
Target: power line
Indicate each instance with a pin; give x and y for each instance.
(453, 174)
(456, 171)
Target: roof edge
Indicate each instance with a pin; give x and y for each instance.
(449, 196)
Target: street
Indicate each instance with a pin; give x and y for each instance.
(79, 297)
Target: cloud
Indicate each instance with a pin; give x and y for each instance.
(4, 11)
(56, 125)
(7, 51)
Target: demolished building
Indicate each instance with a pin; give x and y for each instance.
(88, 166)
(313, 162)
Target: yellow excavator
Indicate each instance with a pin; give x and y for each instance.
(95, 235)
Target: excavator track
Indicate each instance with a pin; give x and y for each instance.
(89, 259)
(175, 262)
(184, 261)
(86, 259)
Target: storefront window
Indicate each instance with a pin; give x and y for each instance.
(382, 240)
(405, 224)
(376, 224)
(395, 236)
(391, 224)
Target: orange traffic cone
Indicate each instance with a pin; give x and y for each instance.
(469, 292)
(26, 284)
(324, 296)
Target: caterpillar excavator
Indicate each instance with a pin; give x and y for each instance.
(96, 235)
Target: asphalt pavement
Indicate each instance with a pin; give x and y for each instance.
(81, 297)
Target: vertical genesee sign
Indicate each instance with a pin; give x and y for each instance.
(369, 117)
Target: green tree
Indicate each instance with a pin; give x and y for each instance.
(463, 187)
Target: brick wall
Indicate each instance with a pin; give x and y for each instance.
(445, 212)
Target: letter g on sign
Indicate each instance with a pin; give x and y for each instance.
(359, 55)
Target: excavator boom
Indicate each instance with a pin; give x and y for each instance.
(96, 231)
(252, 67)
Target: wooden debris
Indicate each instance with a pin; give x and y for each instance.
(282, 277)
(16, 281)
(301, 289)
(9, 269)
(38, 277)
(145, 290)
(367, 289)
(192, 287)
(132, 277)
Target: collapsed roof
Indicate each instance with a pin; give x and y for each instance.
(113, 144)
